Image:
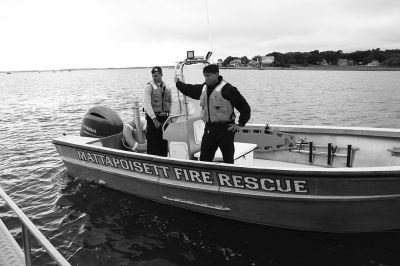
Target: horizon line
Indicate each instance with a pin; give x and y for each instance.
(76, 69)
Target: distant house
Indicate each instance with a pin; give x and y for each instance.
(350, 62)
(342, 62)
(254, 63)
(374, 63)
(236, 63)
(267, 60)
(324, 63)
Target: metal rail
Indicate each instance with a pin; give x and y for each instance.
(28, 228)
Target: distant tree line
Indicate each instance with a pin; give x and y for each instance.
(385, 58)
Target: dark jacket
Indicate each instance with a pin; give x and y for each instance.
(229, 92)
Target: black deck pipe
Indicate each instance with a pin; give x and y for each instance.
(348, 162)
(330, 153)
(310, 154)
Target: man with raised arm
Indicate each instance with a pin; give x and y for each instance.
(218, 100)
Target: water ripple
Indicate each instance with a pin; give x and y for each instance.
(92, 225)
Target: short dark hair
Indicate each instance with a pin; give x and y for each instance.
(213, 69)
(156, 69)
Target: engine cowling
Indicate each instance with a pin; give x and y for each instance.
(101, 121)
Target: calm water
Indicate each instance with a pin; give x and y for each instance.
(92, 225)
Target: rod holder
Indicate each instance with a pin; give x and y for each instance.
(349, 156)
(330, 153)
(310, 154)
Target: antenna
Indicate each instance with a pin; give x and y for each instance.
(209, 27)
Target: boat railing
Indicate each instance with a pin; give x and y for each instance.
(28, 229)
(170, 119)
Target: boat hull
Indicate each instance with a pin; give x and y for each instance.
(330, 200)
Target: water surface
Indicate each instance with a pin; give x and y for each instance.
(93, 225)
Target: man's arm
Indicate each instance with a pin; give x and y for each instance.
(239, 103)
(191, 90)
(147, 101)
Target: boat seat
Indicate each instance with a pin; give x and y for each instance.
(178, 150)
(243, 154)
(184, 138)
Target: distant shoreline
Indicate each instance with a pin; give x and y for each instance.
(292, 67)
(76, 69)
(326, 68)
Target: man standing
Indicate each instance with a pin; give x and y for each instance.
(218, 100)
(157, 105)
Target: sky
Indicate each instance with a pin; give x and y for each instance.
(62, 34)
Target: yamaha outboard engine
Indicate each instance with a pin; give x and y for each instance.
(101, 121)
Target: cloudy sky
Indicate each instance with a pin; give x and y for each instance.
(55, 34)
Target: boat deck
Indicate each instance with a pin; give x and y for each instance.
(10, 252)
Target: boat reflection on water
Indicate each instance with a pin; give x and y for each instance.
(114, 228)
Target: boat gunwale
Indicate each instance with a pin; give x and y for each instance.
(334, 130)
(342, 172)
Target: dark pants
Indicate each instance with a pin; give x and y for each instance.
(214, 139)
(156, 145)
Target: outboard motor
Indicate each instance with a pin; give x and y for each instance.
(101, 121)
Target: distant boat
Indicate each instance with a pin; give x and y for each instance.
(8, 73)
(319, 178)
